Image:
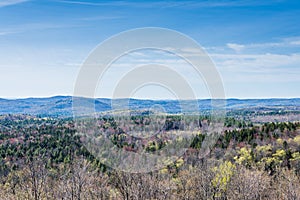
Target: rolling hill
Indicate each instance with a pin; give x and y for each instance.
(62, 105)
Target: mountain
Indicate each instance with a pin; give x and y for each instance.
(62, 105)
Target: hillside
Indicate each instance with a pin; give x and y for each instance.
(62, 105)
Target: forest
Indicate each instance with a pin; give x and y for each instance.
(44, 158)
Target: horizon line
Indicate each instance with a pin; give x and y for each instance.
(152, 99)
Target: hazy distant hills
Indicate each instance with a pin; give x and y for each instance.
(62, 105)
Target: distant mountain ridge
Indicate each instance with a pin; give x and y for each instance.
(62, 105)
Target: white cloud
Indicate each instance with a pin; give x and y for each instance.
(33, 27)
(169, 4)
(286, 42)
(296, 42)
(7, 32)
(96, 18)
(11, 2)
(235, 47)
(279, 61)
(258, 63)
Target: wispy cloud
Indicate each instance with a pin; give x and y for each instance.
(11, 2)
(286, 42)
(143, 4)
(34, 27)
(228, 3)
(168, 4)
(96, 18)
(258, 63)
(7, 32)
(243, 64)
(108, 3)
(236, 47)
(277, 61)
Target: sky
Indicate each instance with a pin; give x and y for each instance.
(255, 45)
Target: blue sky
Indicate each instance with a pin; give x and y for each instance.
(255, 45)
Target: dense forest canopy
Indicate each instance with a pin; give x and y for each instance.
(36, 153)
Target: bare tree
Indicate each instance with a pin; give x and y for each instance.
(81, 181)
(249, 184)
(286, 185)
(143, 186)
(34, 179)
